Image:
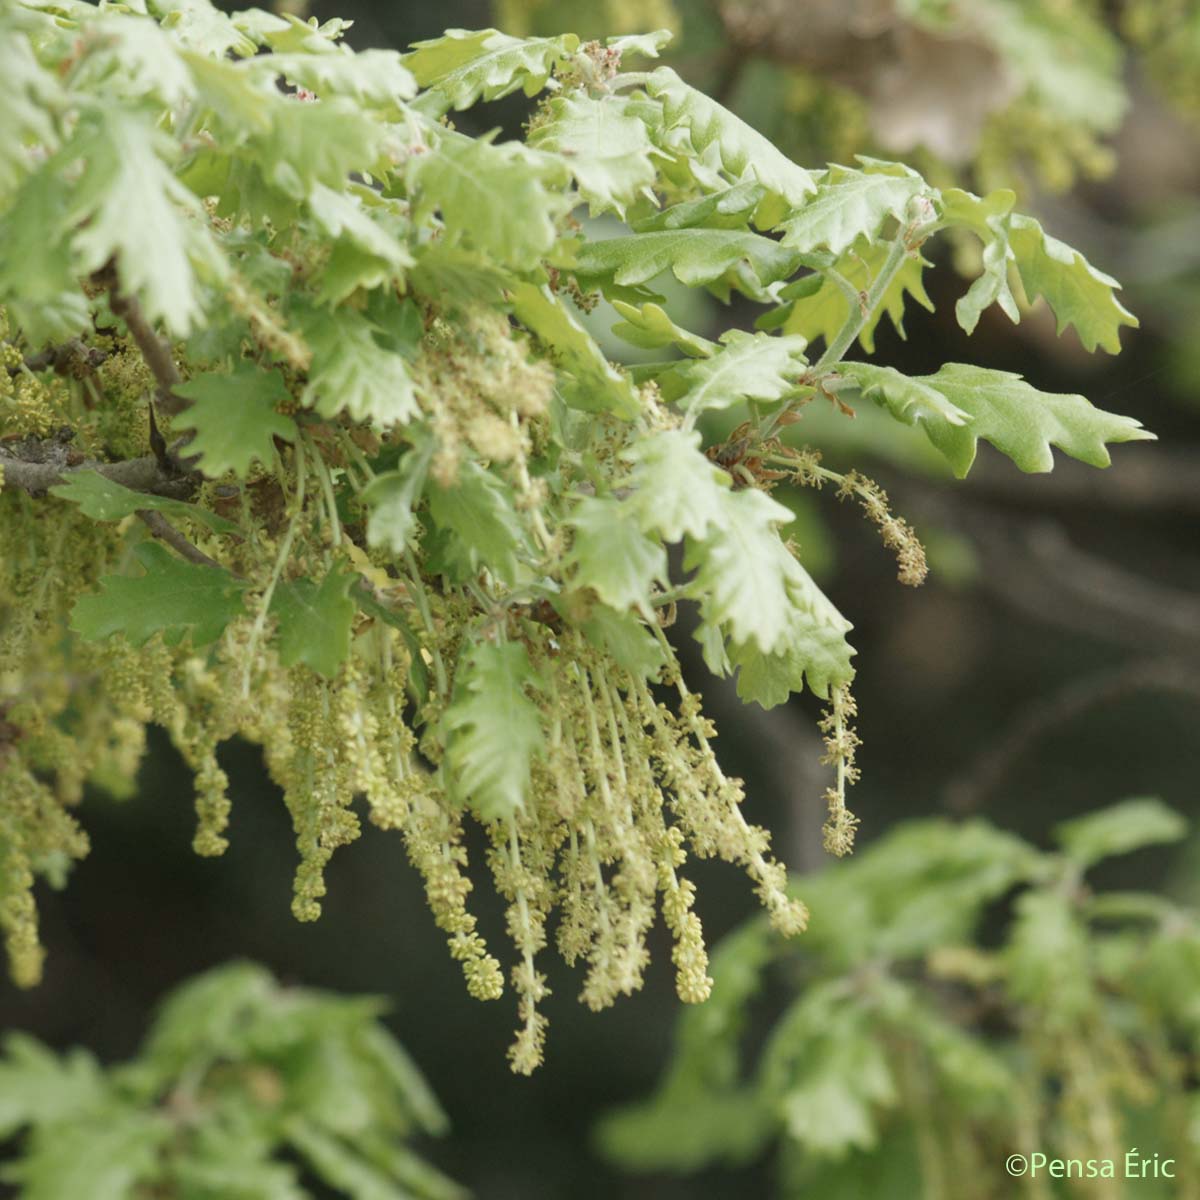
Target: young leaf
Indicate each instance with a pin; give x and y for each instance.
(907, 399)
(650, 327)
(39, 1087)
(495, 197)
(849, 204)
(234, 418)
(1019, 420)
(817, 308)
(744, 152)
(608, 152)
(478, 509)
(988, 219)
(172, 597)
(676, 489)
(464, 66)
(352, 373)
(28, 101)
(694, 256)
(314, 621)
(627, 639)
(1119, 829)
(730, 208)
(746, 576)
(106, 500)
(493, 730)
(750, 366)
(128, 205)
(612, 556)
(1078, 294)
(393, 496)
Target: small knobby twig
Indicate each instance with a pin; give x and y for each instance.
(65, 358)
(162, 529)
(155, 350)
(35, 466)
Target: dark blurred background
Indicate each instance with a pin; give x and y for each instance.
(1051, 665)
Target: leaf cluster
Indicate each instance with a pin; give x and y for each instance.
(962, 993)
(241, 1088)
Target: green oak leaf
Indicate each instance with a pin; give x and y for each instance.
(478, 509)
(464, 66)
(375, 78)
(693, 256)
(234, 418)
(393, 496)
(746, 577)
(172, 597)
(314, 621)
(730, 208)
(128, 205)
(676, 489)
(493, 730)
(627, 639)
(815, 650)
(608, 153)
(496, 198)
(1020, 421)
(744, 153)
(353, 372)
(749, 366)
(815, 307)
(1078, 294)
(106, 500)
(28, 101)
(988, 219)
(649, 326)
(612, 556)
(849, 204)
(907, 399)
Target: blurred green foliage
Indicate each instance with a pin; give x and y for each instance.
(960, 996)
(243, 1090)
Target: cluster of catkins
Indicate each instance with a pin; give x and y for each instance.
(627, 782)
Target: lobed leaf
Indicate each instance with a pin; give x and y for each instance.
(612, 556)
(314, 621)
(849, 204)
(744, 152)
(172, 597)
(493, 730)
(104, 499)
(464, 66)
(608, 152)
(235, 418)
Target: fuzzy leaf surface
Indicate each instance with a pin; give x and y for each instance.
(612, 556)
(478, 509)
(694, 256)
(466, 65)
(848, 204)
(749, 366)
(494, 730)
(608, 152)
(677, 490)
(1020, 421)
(173, 598)
(743, 151)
